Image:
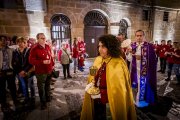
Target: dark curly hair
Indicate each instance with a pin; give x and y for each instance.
(112, 44)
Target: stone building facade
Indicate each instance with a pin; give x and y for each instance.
(28, 23)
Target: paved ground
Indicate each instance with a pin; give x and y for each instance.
(68, 95)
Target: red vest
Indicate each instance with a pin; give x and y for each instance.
(162, 49)
(101, 75)
(177, 59)
(156, 48)
(170, 56)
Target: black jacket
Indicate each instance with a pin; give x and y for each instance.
(20, 61)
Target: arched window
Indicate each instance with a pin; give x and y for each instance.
(95, 18)
(123, 26)
(60, 29)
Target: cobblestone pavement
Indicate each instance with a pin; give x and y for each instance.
(68, 95)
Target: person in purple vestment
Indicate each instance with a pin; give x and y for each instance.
(143, 70)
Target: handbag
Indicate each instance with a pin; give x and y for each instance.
(70, 60)
(55, 73)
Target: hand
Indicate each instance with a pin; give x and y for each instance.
(89, 86)
(133, 54)
(46, 61)
(22, 74)
(96, 96)
(138, 57)
(173, 54)
(129, 49)
(166, 53)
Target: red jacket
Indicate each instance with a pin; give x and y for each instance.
(75, 52)
(162, 49)
(37, 55)
(177, 59)
(170, 56)
(156, 48)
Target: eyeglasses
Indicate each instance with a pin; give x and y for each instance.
(42, 38)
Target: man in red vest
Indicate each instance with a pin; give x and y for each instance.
(170, 61)
(162, 49)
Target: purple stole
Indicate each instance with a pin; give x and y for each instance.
(145, 73)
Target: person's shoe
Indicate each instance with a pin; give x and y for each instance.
(32, 101)
(52, 83)
(167, 79)
(43, 106)
(178, 83)
(81, 70)
(48, 99)
(25, 102)
(69, 76)
(159, 71)
(53, 80)
(52, 87)
(4, 107)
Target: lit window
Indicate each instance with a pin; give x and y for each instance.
(60, 29)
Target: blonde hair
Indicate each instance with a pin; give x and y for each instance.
(21, 39)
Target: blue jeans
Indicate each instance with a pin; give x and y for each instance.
(24, 86)
(75, 64)
(170, 67)
(177, 72)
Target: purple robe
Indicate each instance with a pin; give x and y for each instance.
(148, 91)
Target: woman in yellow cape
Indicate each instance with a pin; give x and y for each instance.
(120, 97)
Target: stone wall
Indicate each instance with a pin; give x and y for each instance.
(164, 30)
(177, 28)
(21, 23)
(76, 11)
(15, 22)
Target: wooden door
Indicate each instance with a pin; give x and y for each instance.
(91, 35)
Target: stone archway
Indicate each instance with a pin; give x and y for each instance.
(95, 25)
(125, 27)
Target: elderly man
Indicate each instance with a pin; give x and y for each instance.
(143, 70)
(41, 58)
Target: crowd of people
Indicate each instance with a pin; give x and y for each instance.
(169, 55)
(22, 60)
(125, 76)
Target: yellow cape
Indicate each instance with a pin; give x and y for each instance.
(119, 91)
